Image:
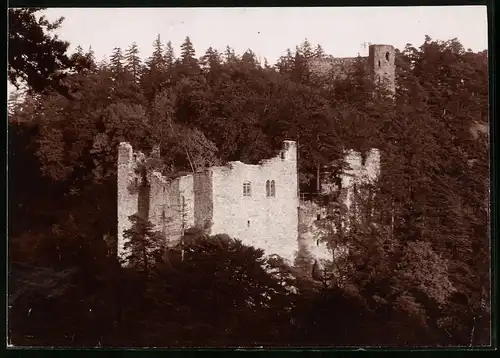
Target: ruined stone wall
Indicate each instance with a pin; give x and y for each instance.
(186, 191)
(203, 199)
(171, 205)
(380, 64)
(336, 67)
(214, 200)
(310, 233)
(157, 201)
(128, 192)
(266, 222)
(173, 212)
(358, 171)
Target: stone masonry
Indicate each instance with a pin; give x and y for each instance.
(380, 64)
(254, 203)
(257, 204)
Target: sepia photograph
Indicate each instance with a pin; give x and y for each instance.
(314, 177)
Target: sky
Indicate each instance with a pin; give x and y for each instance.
(268, 32)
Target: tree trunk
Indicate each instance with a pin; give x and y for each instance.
(318, 183)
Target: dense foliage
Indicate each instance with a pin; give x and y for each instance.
(418, 267)
(36, 57)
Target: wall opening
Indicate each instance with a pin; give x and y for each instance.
(282, 155)
(318, 216)
(247, 189)
(363, 158)
(248, 223)
(273, 188)
(338, 183)
(387, 56)
(268, 188)
(378, 63)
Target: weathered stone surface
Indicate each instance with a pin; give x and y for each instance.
(203, 199)
(382, 61)
(214, 200)
(335, 67)
(268, 222)
(310, 233)
(127, 191)
(380, 64)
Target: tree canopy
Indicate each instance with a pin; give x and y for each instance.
(36, 56)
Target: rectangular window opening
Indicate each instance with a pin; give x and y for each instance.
(247, 189)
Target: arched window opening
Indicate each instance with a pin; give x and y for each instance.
(387, 56)
(268, 188)
(282, 155)
(273, 188)
(247, 190)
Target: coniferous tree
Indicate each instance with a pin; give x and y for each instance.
(145, 246)
(285, 63)
(133, 62)
(155, 76)
(169, 55)
(117, 62)
(188, 63)
(90, 57)
(229, 55)
(187, 51)
(319, 52)
(37, 57)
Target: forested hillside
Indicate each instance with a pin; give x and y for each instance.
(418, 270)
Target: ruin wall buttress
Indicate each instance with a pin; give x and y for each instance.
(203, 200)
(128, 192)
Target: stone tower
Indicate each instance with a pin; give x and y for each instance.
(382, 62)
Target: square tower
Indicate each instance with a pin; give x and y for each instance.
(382, 62)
